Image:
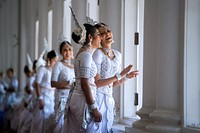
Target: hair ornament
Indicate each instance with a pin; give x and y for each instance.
(80, 30)
(91, 21)
(62, 38)
(42, 58)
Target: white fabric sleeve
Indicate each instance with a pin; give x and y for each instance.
(30, 82)
(85, 65)
(98, 58)
(15, 83)
(56, 71)
(40, 74)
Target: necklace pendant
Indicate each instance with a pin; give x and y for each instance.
(109, 53)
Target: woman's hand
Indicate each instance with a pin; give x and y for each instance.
(132, 74)
(41, 104)
(126, 70)
(97, 115)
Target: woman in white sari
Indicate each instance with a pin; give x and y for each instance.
(62, 79)
(45, 95)
(108, 63)
(83, 114)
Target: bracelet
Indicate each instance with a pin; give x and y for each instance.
(118, 76)
(125, 78)
(40, 98)
(93, 106)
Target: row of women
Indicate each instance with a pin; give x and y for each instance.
(76, 97)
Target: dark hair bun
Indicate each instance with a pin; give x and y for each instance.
(75, 37)
(26, 69)
(51, 54)
(90, 29)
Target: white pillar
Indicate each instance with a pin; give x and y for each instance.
(7, 34)
(14, 36)
(43, 15)
(3, 42)
(22, 43)
(67, 20)
(31, 28)
(57, 6)
(162, 66)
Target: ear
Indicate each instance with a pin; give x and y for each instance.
(90, 37)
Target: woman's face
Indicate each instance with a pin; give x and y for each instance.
(106, 35)
(67, 52)
(96, 41)
(53, 61)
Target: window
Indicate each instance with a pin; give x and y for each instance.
(133, 22)
(36, 38)
(192, 65)
(49, 36)
(67, 19)
(93, 9)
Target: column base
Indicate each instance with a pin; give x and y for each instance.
(165, 121)
(145, 119)
(163, 128)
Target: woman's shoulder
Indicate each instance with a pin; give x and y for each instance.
(41, 68)
(58, 64)
(99, 50)
(85, 55)
(98, 53)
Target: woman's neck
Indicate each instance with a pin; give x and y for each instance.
(66, 60)
(107, 46)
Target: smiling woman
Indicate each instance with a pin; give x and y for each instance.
(62, 79)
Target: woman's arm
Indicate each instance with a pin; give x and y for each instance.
(87, 92)
(39, 95)
(103, 82)
(60, 84)
(89, 99)
(128, 76)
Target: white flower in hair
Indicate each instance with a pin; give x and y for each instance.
(30, 63)
(41, 60)
(46, 45)
(62, 38)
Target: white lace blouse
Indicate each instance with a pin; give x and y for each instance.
(105, 66)
(62, 73)
(85, 68)
(43, 77)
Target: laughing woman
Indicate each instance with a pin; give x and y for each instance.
(108, 63)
